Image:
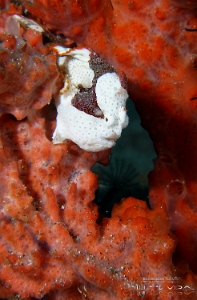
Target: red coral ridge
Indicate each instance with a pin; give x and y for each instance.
(47, 204)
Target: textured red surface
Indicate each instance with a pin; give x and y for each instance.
(154, 42)
(47, 191)
(28, 72)
(185, 3)
(50, 238)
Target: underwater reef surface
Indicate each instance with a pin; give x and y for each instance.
(29, 77)
(54, 243)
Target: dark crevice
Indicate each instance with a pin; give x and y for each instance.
(124, 177)
(190, 30)
(17, 2)
(111, 5)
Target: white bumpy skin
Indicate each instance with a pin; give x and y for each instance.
(89, 132)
